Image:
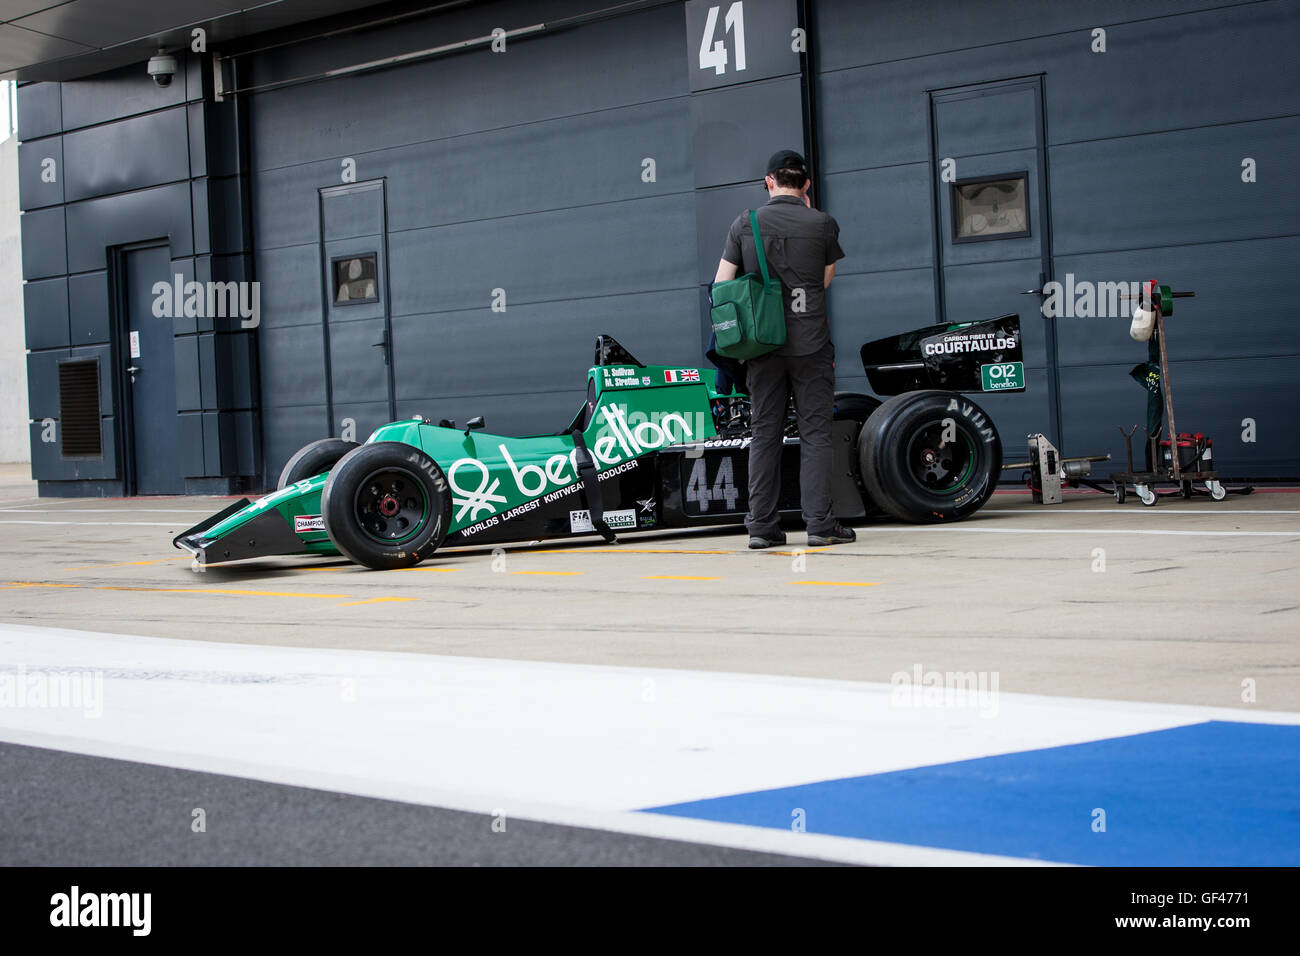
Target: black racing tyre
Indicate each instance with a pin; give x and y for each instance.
(386, 505)
(856, 407)
(910, 468)
(310, 460)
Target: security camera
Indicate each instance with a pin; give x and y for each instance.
(162, 68)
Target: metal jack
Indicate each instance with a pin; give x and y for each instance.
(1048, 471)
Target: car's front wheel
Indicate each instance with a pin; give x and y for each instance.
(386, 505)
(930, 456)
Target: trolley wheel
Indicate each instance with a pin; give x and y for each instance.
(1147, 495)
(1119, 493)
(1187, 489)
(1216, 490)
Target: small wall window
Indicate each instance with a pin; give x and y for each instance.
(994, 207)
(356, 279)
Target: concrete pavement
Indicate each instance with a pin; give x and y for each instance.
(1186, 602)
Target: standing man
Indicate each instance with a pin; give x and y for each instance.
(801, 245)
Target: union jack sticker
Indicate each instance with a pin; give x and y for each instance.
(675, 375)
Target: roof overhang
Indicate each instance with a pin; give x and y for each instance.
(51, 40)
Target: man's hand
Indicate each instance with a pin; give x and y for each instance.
(828, 275)
(726, 271)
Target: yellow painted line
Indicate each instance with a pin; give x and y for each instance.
(238, 592)
(677, 577)
(617, 551)
(557, 574)
(127, 564)
(529, 551)
(378, 600)
(235, 591)
(840, 584)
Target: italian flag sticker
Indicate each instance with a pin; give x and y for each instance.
(675, 375)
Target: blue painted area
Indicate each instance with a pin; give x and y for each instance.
(1210, 794)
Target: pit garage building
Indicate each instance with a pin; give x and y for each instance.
(442, 205)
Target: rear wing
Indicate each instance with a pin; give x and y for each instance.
(962, 357)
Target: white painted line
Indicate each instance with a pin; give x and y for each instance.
(1155, 512)
(1212, 534)
(83, 524)
(86, 511)
(581, 745)
(759, 839)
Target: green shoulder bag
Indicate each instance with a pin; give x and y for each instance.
(748, 312)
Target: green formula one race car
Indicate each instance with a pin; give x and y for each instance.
(652, 447)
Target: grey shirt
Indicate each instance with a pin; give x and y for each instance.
(799, 243)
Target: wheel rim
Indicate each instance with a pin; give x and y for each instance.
(391, 506)
(939, 467)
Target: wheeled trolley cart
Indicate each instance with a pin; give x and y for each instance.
(1186, 460)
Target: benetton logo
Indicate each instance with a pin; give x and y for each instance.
(617, 441)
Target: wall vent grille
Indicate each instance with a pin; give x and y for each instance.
(79, 409)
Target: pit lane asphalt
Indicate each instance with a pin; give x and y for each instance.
(1178, 603)
(62, 809)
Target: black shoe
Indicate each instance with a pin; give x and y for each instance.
(837, 535)
(759, 541)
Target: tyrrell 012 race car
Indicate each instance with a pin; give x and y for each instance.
(652, 447)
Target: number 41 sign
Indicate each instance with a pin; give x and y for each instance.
(716, 56)
(735, 41)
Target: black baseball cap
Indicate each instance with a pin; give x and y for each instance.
(787, 159)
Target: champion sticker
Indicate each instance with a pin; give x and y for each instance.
(303, 523)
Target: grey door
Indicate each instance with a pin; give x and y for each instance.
(993, 234)
(149, 377)
(358, 333)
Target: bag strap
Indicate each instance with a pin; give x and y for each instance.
(758, 246)
(591, 488)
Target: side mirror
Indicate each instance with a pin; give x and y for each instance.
(475, 422)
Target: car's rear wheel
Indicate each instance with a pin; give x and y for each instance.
(386, 505)
(930, 456)
(311, 460)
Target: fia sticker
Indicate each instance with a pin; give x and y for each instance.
(135, 345)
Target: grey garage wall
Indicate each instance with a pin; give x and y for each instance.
(1144, 145)
(519, 171)
(522, 171)
(134, 162)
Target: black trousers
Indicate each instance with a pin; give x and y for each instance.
(772, 379)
